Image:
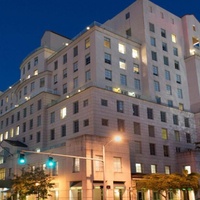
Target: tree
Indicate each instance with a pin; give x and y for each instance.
(165, 183)
(32, 182)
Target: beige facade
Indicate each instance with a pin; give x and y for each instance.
(134, 76)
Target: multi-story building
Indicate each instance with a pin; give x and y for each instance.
(136, 75)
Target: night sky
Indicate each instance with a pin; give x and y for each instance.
(23, 22)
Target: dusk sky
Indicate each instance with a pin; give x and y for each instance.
(23, 22)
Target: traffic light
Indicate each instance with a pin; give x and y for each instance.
(50, 163)
(21, 159)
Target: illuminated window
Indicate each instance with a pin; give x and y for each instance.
(173, 38)
(180, 106)
(63, 113)
(11, 132)
(134, 53)
(107, 42)
(153, 169)
(138, 167)
(76, 165)
(136, 68)
(188, 168)
(195, 42)
(122, 63)
(87, 43)
(17, 130)
(164, 134)
(122, 48)
(6, 135)
(167, 169)
(36, 72)
(177, 135)
(2, 174)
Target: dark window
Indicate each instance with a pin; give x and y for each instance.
(86, 122)
(39, 104)
(107, 58)
(120, 106)
(187, 123)
(55, 65)
(75, 51)
(24, 112)
(149, 113)
(38, 137)
(76, 126)
(176, 65)
(52, 134)
(166, 150)
(151, 27)
(151, 130)
(127, 15)
(18, 116)
(121, 125)
(63, 130)
(175, 119)
(64, 58)
(152, 148)
(188, 138)
(135, 109)
(104, 122)
(104, 102)
(108, 74)
(163, 116)
(12, 119)
(163, 33)
(76, 107)
(87, 59)
(128, 32)
(136, 128)
(31, 124)
(24, 127)
(154, 55)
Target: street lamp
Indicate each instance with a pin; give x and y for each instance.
(116, 139)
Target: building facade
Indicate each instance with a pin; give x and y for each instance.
(135, 75)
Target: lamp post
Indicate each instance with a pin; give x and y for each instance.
(116, 139)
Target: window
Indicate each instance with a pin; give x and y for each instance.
(123, 80)
(52, 117)
(63, 113)
(117, 164)
(137, 84)
(152, 148)
(128, 32)
(153, 169)
(153, 41)
(188, 138)
(187, 122)
(75, 51)
(99, 164)
(121, 48)
(32, 86)
(149, 113)
(39, 104)
(136, 68)
(31, 124)
(176, 65)
(164, 134)
(63, 130)
(75, 66)
(188, 168)
(170, 103)
(167, 75)
(52, 134)
(65, 88)
(166, 60)
(157, 86)
(169, 89)
(87, 76)
(138, 167)
(180, 106)
(163, 116)
(75, 82)
(55, 65)
(107, 42)
(179, 93)
(104, 102)
(107, 58)
(177, 135)
(163, 33)
(38, 135)
(24, 127)
(39, 120)
(164, 46)
(167, 169)
(136, 128)
(108, 74)
(29, 65)
(24, 112)
(55, 78)
(135, 109)
(85, 103)
(158, 99)
(155, 70)
(76, 165)
(76, 126)
(175, 119)
(178, 78)
(138, 147)
(151, 131)
(122, 63)
(104, 122)
(151, 27)
(25, 92)
(65, 73)
(175, 51)
(134, 53)
(35, 61)
(86, 122)
(173, 38)
(120, 106)
(121, 125)
(87, 59)
(87, 43)
(154, 55)
(166, 150)
(64, 58)
(127, 16)
(75, 107)
(42, 82)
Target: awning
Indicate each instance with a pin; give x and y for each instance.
(5, 183)
(76, 185)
